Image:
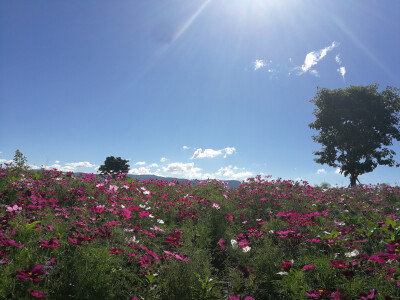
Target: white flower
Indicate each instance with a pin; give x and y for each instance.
(234, 244)
(282, 273)
(160, 221)
(352, 253)
(246, 249)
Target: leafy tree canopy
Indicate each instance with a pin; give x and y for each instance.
(19, 159)
(114, 166)
(356, 125)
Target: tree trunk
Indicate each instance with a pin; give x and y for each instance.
(353, 179)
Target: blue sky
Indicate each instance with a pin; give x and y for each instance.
(194, 89)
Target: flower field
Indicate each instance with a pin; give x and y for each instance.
(66, 237)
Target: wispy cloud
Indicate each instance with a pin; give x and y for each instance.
(140, 163)
(185, 147)
(321, 171)
(312, 59)
(163, 159)
(338, 59)
(342, 71)
(210, 153)
(258, 64)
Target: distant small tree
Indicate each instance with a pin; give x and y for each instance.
(20, 160)
(355, 126)
(325, 185)
(113, 166)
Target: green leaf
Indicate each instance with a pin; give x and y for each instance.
(390, 222)
(30, 226)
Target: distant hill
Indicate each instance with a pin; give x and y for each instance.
(233, 184)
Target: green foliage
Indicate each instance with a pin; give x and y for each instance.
(356, 125)
(19, 160)
(114, 165)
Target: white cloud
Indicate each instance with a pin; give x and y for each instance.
(338, 59)
(342, 71)
(313, 58)
(321, 171)
(153, 165)
(337, 171)
(259, 63)
(210, 153)
(229, 173)
(57, 161)
(140, 171)
(68, 167)
(187, 170)
(185, 147)
(163, 159)
(140, 163)
(6, 161)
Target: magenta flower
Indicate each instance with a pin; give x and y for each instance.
(308, 267)
(37, 294)
(177, 256)
(115, 250)
(371, 295)
(33, 273)
(174, 237)
(52, 243)
(221, 244)
(145, 261)
(337, 295)
(287, 265)
(316, 293)
(340, 264)
(144, 214)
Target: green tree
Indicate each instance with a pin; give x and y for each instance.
(113, 166)
(20, 160)
(356, 125)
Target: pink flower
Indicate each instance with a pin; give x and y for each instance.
(287, 265)
(115, 250)
(216, 206)
(337, 295)
(52, 243)
(221, 244)
(228, 216)
(308, 267)
(37, 294)
(144, 214)
(340, 264)
(33, 273)
(371, 295)
(177, 256)
(145, 261)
